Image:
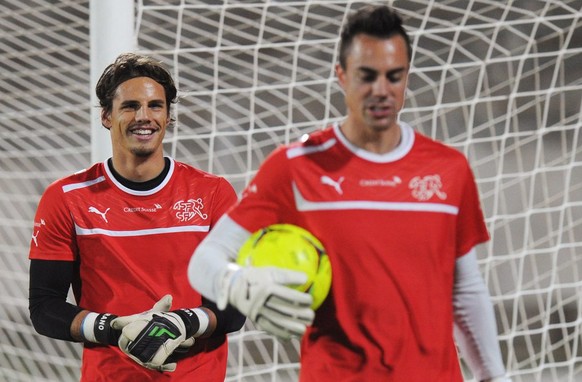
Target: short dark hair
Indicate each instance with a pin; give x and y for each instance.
(131, 65)
(378, 21)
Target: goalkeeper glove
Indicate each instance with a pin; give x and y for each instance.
(97, 327)
(263, 294)
(152, 337)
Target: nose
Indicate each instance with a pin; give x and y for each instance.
(142, 114)
(381, 87)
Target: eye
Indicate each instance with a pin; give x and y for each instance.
(157, 105)
(130, 106)
(395, 76)
(368, 77)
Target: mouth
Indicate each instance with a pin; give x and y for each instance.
(143, 131)
(381, 110)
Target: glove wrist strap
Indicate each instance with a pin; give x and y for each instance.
(97, 328)
(196, 321)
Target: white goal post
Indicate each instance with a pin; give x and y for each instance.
(500, 81)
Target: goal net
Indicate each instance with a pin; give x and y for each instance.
(500, 81)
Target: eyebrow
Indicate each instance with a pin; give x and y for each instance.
(368, 70)
(131, 102)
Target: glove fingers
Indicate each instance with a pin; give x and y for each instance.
(129, 333)
(288, 277)
(163, 353)
(167, 367)
(164, 304)
(283, 309)
(283, 318)
(123, 342)
(291, 297)
(282, 328)
(121, 322)
(187, 343)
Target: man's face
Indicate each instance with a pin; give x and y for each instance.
(374, 81)
(138, 118)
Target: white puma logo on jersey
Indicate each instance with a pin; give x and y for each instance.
(337, 185)
(35, 235)
(34, 238)
(102, 214)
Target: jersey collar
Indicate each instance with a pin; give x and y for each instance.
(403, 148)
(157, 187)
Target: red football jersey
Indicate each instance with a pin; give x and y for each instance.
(133, 248)
(394, 226)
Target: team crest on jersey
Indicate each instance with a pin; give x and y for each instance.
(186, 210)
(424, 188)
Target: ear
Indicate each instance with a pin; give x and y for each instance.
(106, 119)
(341, 75)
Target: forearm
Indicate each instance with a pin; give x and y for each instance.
(213, 256)
(54, 317)
(225, 321)
(76, 326)
(475, 326)
(50, 313)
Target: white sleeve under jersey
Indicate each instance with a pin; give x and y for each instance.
(214, 255)
(475, 327)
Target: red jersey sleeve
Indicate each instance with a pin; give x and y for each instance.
(267, 195)
(224, 198)
(471, 229)
(53, 234)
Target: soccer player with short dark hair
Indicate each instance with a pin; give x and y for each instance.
(399, 216)
(121, 234)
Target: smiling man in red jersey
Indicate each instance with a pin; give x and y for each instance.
(121, 234)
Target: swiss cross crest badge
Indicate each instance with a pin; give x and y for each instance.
(186, 210)
(426, 187)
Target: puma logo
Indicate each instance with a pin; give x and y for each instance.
(102, 214)
(35, 235)
(337, 185)
(34, 238)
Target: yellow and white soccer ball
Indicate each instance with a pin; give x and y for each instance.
(291, 247)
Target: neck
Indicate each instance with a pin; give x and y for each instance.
(377, 141)
(137, 169)
(141, 186)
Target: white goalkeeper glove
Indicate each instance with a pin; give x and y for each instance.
(263, 294)
(156, 339)
(498, 379)
(97, 327)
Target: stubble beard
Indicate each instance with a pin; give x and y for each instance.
(142, 152)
